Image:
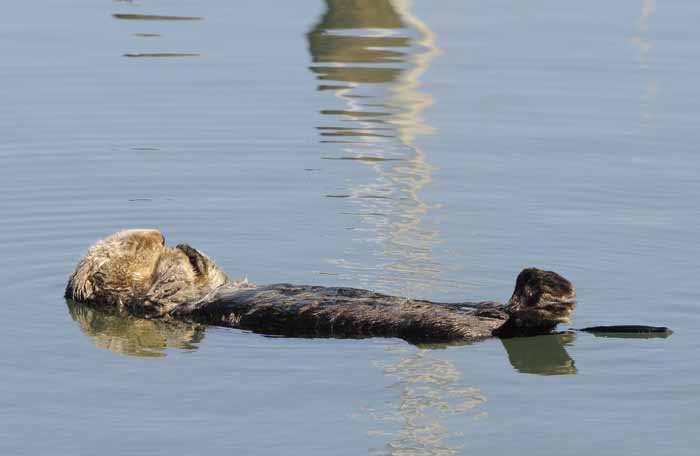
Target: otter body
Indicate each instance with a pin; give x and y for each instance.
(135, 272)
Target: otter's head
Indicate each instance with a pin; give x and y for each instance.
(541, 300)
(133, 268)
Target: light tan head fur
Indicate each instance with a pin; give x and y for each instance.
(133, 268)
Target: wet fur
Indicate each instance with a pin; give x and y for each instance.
(133, 269)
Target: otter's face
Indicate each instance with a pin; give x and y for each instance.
(133, 268)
(540, 301)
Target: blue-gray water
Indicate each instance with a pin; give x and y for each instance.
(429, 149)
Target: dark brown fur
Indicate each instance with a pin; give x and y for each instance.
(133, 271)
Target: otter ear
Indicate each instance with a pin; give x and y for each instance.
(540, 301)
(197, 260)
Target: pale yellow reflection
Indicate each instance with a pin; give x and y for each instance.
(641, 39)
(370, 55)
(429, 391)
(128, 335)
(642, 42)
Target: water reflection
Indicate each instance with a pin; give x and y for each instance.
(154, 17)
(644, 45)
(129, 335)
(370, 55)
(640, 335)
(641, 39)
(543, 355)
(161, 54)
(428, 391)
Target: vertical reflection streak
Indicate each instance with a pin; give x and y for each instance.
(429, 392)
(644, 45)
(409, 125)
(378, 51)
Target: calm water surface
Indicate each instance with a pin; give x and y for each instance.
(424, 149)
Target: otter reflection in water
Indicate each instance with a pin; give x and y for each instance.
(129, 335)
(543, 355)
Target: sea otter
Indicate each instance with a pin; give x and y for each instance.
(135, 272)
